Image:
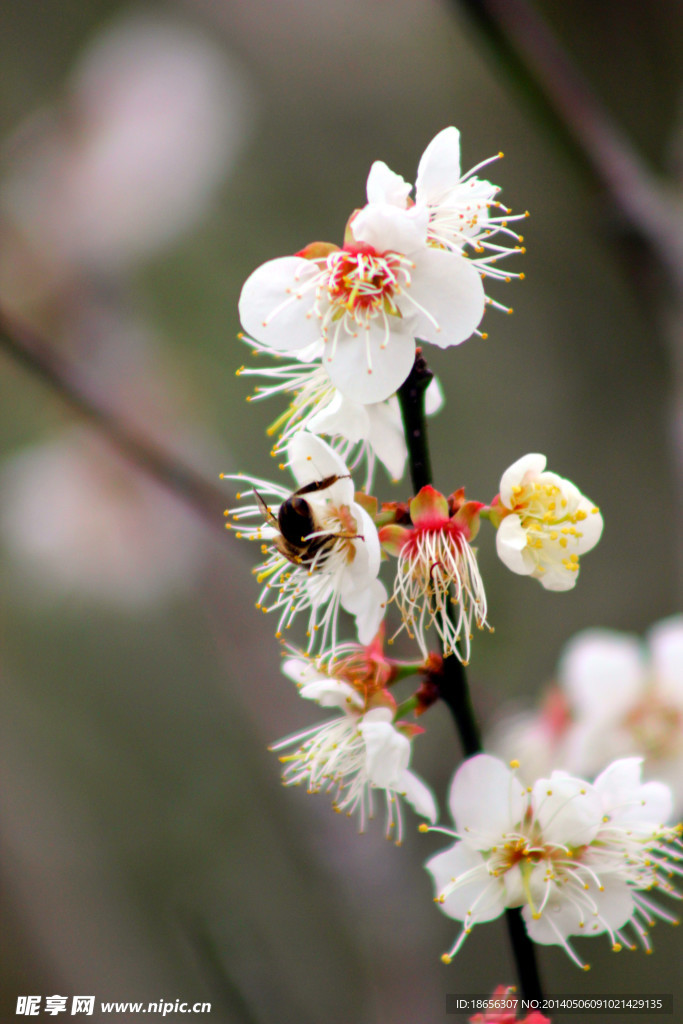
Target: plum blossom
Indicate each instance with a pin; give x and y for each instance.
(614, 695)
(578, 858)
(360, 433)
(322, 549)
(77, 518)
(464, 214)
(545, 523)
(366, 302)
(626, 697)
(437, 570)
(154, 118)
(536, 737)
(360, 751)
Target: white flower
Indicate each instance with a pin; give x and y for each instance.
(360, 432)
(576, 857)
(367, 301)
(534, 737)
(547, 523)
(353, 755)
(154, 118)
(459, 207)
(322, 546)
(78, 518)
(626, 697)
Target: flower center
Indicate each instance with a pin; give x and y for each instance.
(361, 281)
(655, 727)
(356, 287)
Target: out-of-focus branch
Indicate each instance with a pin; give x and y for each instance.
(532, 56)
(649, 208)
(63, 377)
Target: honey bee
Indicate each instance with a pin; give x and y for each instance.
(296, 524)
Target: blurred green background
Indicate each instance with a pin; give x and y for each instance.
(149, 851)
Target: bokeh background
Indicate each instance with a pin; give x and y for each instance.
(151, 157)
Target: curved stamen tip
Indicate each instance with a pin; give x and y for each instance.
(445, 958)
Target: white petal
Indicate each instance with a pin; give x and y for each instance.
(384, 186)
(439, 167)
(311, 353)
(418, 794)
(618, 781)
(301, 671)
(387, 752)
(391, 362)
(388, 229)
(275, 286)
(666, 645)
(627, 801)
(434, 397)
(569, 811)
(368, 606)
(486, 800)
(331, 693)
(449, 291)
(614, 907)
(519, 473)
(602, 673)
(555, 576)
(386, 436)
(590, 528)
(511, 545)
(654, 804)
(365, 565)
(311, 459)
(453, 863)
(342, 416)
(380, 714)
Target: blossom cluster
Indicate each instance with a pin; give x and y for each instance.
(335, 329)
(615, 696)
(578, 858)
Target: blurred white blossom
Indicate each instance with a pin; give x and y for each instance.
(153, 118)
(615, 696)
(76, 517)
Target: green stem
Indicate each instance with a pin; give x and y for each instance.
(406, 707)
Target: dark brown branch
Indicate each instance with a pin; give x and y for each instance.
(451, 681)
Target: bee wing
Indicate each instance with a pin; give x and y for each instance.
(265, 511)
(321, 485)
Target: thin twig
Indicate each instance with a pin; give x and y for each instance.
(26, 348)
